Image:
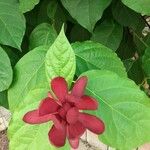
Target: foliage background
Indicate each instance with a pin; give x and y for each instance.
(106, 35)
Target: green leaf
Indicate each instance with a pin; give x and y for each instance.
(12, 24)
(78, 33)
(136, 72)
(123, 107)
(146, 62)
(3, 99)
(24, 136)
(52, 9)
(60, 59)
(86, 12)
(29, 102)
(57, 14)
(108, 33)
(141, 6)
(92, 55)
(13, 54)
(29, 73)
(38, 15)
(5, 71)
(127, 46)
(141, 42)
(128, 63)
(44, 34)
(126, 16)
(27, 5)
(41, 12)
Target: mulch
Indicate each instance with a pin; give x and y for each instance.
(3, 140)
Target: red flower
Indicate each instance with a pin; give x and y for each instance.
(64, 111)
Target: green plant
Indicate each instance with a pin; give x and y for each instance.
(101, 39)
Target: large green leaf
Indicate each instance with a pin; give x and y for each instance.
(141, 6)
(29, 73)
(92, 55)
(43, 34)
(123, 107)
(108, 33)
(60, 59)
(27, 5)
(86, 12)
(12, 24)
(146, 62)
(5, 71)
(23, 136)
(29, 102)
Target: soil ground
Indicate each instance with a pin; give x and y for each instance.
(3, 140)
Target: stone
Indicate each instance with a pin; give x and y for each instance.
(5, 117)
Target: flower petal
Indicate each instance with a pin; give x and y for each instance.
(79, 87)
(57, 136)
(87, 103)
(59, 87)
(72, 115)
(71, 98)
(74, 143)
(48, 106)
(32, 117)
(92, 123)
(75, 130)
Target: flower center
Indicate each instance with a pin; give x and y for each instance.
(63, 110)
(68, 112)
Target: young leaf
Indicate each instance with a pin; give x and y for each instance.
(92, 55)
(23, 136)
(27, 5)
(29, 73)
(141, 6)
(123, 107)
(108, 33)
(5, 71)
(44, 34)
(12, 24)
(60, 59)
(86, 12)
